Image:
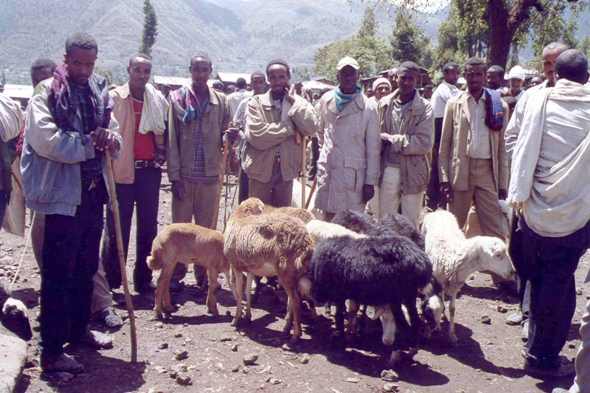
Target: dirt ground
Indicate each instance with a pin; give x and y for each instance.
(487, 358)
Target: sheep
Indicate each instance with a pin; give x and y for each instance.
(296, 199)
(14, 315)
(187, 243)
(320, 230)
(454, 257)
(269, 245)
(374, 271)
(395, 224)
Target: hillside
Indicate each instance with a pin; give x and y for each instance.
(239, 35)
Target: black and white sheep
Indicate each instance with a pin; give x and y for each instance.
(455, 258)
(376, 271)
(14, 316)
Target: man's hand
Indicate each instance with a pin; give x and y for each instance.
(447, 191)
(104, 139)
(178, 190)
(385, 138)
(368, 192)
(231, 134)
(289, 96)
(161, 154)
(503, 194)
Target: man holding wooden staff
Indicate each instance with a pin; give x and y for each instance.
(198, 119)
(69, 126)
(272, 155)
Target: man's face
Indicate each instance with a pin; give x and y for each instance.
(382, 90)
(298, 87)
(393, 76)
(474, 77)
(493, 80)
(257, 84)
(139, 70)
(347, 79)
(278, 78)
(549, 57)
(515, 84)
(536, 81)
(407, 80)
(427, 94)
(452, 76)
(200, 70)
(39, 75)
(166, 90)
(369, 93)
(80, 64)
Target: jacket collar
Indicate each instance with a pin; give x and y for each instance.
(357, 105)
(418, 104)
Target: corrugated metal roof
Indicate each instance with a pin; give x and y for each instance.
(232, 77)
(18, 91)
(171, 80)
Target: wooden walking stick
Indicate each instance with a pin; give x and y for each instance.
(220, 187)
(313, 186)
(116, 218)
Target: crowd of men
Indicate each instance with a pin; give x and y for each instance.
(396, 147)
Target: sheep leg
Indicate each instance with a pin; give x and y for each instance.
(158, 298)
(400, 333)
(416, 324)
(168, 271)
(340, 308)
(452, 335)
(239, 294)
(293, 308)
(230, 283)
(212, 292)
(353, 309)
(249, 280)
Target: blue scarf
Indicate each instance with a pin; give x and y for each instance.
(494, 111)
(343, 99)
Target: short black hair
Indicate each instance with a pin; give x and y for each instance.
(474, 62)
(572, 65)
(42, 63)
(201, 55)
(81, 40)
(257, 74)
(141, 56)
(450, 66)
(409, 65)
(496, 69)
(279, 62)
(555, 46)
(241, 83)
(392, 72)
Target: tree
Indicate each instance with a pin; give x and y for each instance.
(408, 42)
(150, 28)
(372, 53)
(584, 46)
(494, 24)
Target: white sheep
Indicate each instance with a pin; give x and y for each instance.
(321, 230)
(454, 258)
(296, 199)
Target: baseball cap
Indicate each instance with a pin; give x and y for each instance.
(348, 61)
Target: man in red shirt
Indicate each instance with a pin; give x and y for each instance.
(141, 111)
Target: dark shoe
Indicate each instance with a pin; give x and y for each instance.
(60, 363)
(564, 370)
(175, 286)
(148, 288)
(514, 318)
(96, 340)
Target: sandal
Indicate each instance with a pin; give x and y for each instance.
(110, 317)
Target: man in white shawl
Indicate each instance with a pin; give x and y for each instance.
(550, 186)
(11, 123)
(141, 111)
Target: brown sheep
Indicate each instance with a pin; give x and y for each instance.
(269, 245)
(187, 243)
(297, 212)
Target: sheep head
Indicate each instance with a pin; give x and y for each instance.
(387, 321)
(250, 207)
(494, 256)
(15, 318)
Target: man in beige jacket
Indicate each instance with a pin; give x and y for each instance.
(406, 125)
(350, 145)
(473, 164)
(272, 156)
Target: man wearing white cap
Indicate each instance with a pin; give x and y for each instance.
(381, 88)
(516, 77)
(350, 145)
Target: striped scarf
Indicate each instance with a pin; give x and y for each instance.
(186, 98)
(494, 111)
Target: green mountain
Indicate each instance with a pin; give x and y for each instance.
(239, 35)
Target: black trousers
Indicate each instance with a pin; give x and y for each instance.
(144, 194)
(70, 261)
(550, 270)
(516, 248)
(243, 189)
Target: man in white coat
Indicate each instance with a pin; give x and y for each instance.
(350, 145)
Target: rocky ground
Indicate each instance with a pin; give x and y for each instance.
(193, 351)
